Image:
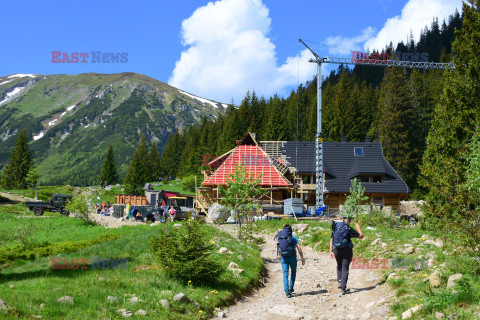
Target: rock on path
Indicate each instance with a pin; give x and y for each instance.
(316, 294)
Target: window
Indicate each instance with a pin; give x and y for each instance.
(378, 201)
(377, 179)
(358, 151)
(364, 179)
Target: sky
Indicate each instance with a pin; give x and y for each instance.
(217, 50)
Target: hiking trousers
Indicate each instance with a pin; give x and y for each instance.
(289, 263)
(344, 258)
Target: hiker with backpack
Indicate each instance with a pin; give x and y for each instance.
(341, 248)
(286, 246)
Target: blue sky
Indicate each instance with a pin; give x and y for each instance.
(216, 50)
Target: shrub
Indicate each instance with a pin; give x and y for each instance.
(186, 254)
(79, 206)
(188, 183)
(377, 218)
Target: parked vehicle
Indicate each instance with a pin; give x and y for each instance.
(56, 204)
(180, 206)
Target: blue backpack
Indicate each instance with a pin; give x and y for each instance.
(340, 234)
(285, 243)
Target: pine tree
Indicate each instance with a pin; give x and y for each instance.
(455, 120)
(137, 173)
(108, 174)
(169, 162)
(154, 163)
(396, 116)
(21, 162)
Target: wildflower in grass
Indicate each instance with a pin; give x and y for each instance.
(200, 311)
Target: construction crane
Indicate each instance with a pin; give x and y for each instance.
(366, 61)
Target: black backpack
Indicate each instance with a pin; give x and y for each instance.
(340, 234)
(285, 243)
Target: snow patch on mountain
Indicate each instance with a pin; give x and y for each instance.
(5, 82)
(12, 93)
(71, 107)
(38, 136)
(21, 75)
(213, 104)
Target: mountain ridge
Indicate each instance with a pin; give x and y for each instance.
(79, 115)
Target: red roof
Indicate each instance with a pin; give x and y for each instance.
(255, 162)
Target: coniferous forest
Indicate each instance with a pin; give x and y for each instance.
(393, 106)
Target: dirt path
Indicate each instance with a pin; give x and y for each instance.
(15, 197)
(316, 294)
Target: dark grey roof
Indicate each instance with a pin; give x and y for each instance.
(341, 165)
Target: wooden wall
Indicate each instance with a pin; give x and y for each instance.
(133, 200)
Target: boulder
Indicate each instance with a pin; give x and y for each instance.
(236, 271)
(299, 228)
(127, 314)
(408, 250)
(112, 299)
(222, 250)
(2, 304)
(435, 279)
(180, 297)
(148, 186)
(141, 313)
(439, 315)
(164, 303)
(135, 300)
(452, 279)
(366, 315)
(108, 188)
(410, 312)
(217, 214)
(377, 241)
(65, 299)
(233, 265)
(439, 243)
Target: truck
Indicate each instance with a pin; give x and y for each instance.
(56, 204)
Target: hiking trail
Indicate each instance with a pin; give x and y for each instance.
(316, 294)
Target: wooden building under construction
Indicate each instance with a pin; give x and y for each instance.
(287, 170)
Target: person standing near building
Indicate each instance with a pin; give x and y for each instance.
(341, 248)
(287, 247)
(173, 213)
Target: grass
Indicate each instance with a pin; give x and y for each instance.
(175, 186)
(31, 287)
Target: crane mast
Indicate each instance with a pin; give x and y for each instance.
(319, 188)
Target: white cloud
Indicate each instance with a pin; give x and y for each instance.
(342, 45)
(229, 53)
(415, 16)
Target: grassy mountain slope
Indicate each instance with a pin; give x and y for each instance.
(71, 119)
